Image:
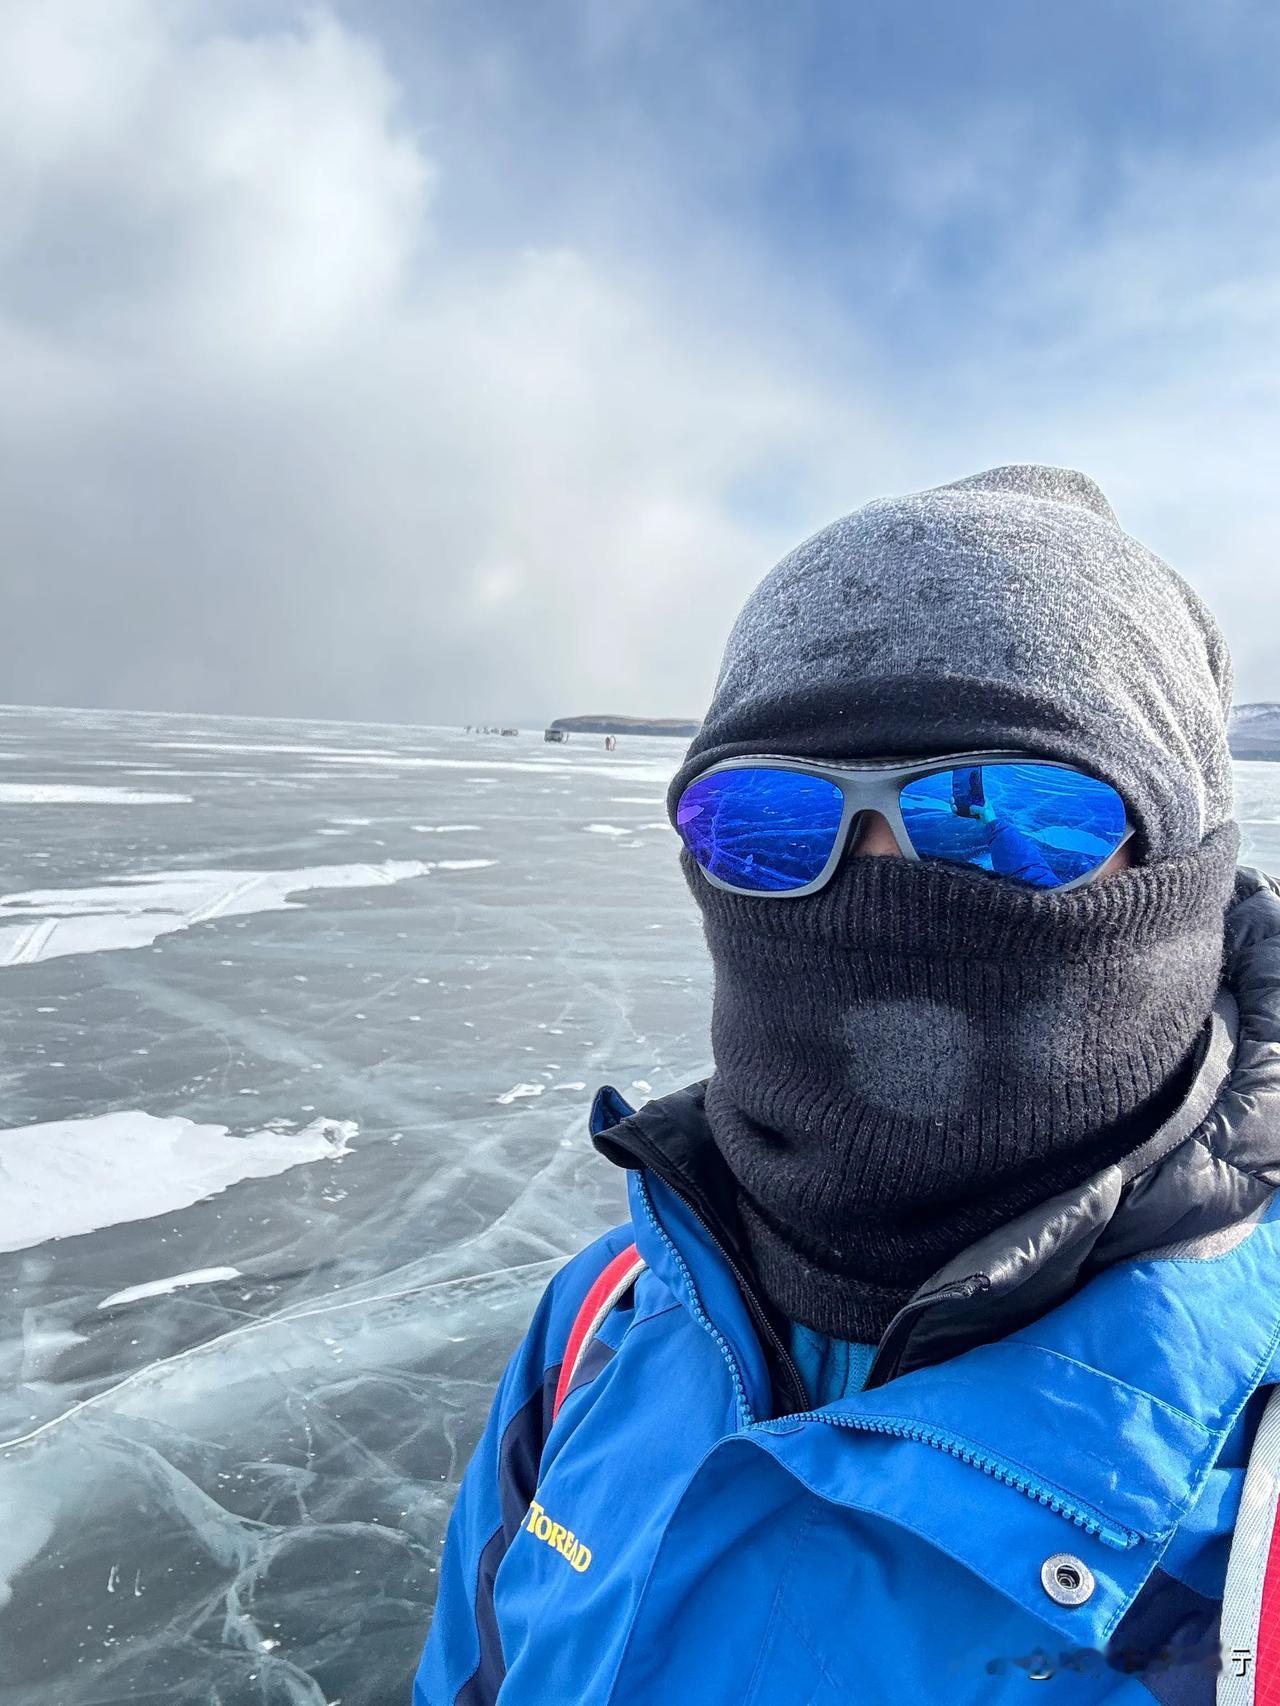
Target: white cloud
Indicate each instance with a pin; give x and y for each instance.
(272, 446)
(222, 198)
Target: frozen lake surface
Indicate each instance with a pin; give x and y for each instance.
(301, 1027)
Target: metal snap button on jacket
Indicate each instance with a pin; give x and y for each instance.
(1067, 1579)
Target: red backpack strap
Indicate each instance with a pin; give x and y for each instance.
(1250, 1629)
(618, 1277)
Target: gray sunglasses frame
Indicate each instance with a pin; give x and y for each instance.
(876, 787)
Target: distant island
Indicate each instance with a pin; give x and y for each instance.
(684, 728)
(1254, 731)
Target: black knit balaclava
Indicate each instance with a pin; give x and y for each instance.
(917, 1053)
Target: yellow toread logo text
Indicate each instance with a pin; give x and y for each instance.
(555, 1534)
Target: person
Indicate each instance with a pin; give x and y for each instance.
(934, 1356)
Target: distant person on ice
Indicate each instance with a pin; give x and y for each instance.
(934, 1351)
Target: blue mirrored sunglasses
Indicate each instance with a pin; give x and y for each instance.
(778, 826)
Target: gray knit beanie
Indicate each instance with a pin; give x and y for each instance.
(1007, 610)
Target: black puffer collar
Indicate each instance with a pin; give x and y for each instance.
(1195, 1186)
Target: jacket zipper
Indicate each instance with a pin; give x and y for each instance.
(893, 1341)
(762, 1321)
(763, 1325)
(894, 1335)
(698, 1312)
(1111, 1534)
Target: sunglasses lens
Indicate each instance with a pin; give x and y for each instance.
(765, 830)
(1036, 823)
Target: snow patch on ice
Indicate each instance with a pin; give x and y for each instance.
(300, 748)
(518, 1090)
(133, 912)
(604, 829)
(70, 794)
(66, 1177)
(441, 828)
(175, 1282)
(617, 772)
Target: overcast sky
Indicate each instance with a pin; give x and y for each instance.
(456, 360)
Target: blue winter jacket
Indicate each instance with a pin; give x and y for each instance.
(1037, 1487)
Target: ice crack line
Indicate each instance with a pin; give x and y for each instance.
(284, 1319)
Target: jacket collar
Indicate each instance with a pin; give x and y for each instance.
(1075, 1433)
(1079, 1433)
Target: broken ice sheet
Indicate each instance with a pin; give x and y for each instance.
(72, 1176)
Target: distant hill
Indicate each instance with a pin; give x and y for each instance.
(683, 727)
(1254, 731)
